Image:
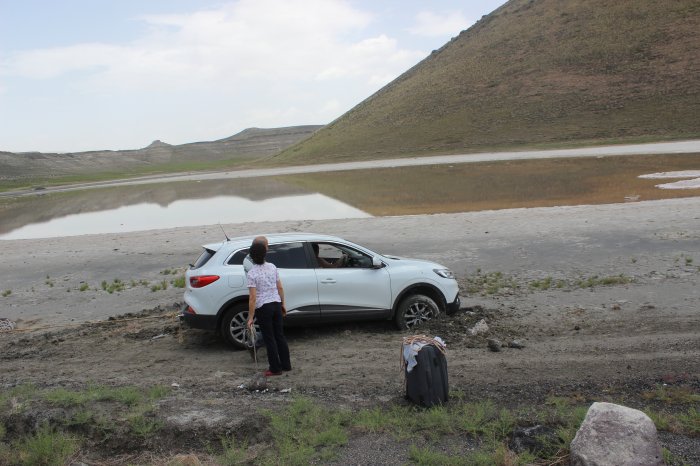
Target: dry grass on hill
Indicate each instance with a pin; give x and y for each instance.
(532, 73)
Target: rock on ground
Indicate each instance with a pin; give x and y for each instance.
(617, 436)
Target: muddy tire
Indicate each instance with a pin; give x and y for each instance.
(415, 310)
(234, 324)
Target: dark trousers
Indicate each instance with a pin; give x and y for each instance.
(269, 317)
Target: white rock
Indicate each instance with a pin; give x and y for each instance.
(479, 327)
(616, 435)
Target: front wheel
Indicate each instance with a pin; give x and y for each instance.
(414, 310)
(233, 326)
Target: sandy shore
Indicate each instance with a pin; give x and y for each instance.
(45, 275)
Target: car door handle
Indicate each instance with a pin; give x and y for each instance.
(328, 281)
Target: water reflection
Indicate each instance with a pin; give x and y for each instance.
(122, 209)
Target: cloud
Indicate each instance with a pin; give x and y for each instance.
(234, 45)
(205, 74)
(431, 24)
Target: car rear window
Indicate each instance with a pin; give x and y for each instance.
(203, 258)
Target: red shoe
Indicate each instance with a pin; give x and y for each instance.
(269, 373)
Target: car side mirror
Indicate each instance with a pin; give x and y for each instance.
(377, 263)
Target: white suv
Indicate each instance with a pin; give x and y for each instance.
(354, 284)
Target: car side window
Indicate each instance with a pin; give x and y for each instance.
(238, 256)
(287, 256)
(334, 252)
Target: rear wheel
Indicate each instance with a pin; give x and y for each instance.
(233, 326)
(414, 310)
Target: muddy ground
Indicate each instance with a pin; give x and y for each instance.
(587, 334)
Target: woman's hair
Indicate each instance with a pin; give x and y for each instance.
(257, 253)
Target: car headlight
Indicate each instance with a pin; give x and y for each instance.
(444, 273)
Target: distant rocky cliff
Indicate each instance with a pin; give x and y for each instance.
(250, 144)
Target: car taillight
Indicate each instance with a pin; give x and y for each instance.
(190, 310)
(203, 280)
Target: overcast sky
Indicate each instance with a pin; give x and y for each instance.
(117, 74)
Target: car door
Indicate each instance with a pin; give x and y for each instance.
(353, 291)
(298, 279)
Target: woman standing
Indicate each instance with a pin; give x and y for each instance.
(266, 302)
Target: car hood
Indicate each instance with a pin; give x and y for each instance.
(409, 260)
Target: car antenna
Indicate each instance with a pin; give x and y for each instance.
(225, 235)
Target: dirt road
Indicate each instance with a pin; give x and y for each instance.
(604, 298)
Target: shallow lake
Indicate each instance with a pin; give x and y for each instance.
(165, 205)
(344, 194)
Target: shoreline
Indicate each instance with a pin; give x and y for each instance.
(45, 275)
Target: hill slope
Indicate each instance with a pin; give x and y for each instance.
(250, 144)
(531, 72)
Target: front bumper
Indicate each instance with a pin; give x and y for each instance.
(453, 306)
(189, 318)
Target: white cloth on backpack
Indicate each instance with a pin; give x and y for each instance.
(410, 351)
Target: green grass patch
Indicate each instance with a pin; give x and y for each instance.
(162, 285)
(662, 420)
(130, 396)
(157, 392)
(178, 282)
(82, 408)
(486, 456)
(690, 421)
(489, 283)
(66, 398)
(6, 293)
(595, 280)
(46, 447)
(476, 418)
(116, 285)
(80, 418)
(306, 432)
(429, 457)
(672, 394)
(14, 399)
(547, 283)
(84, 287)
(683, 422)
(233, 454)
(144, 424)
